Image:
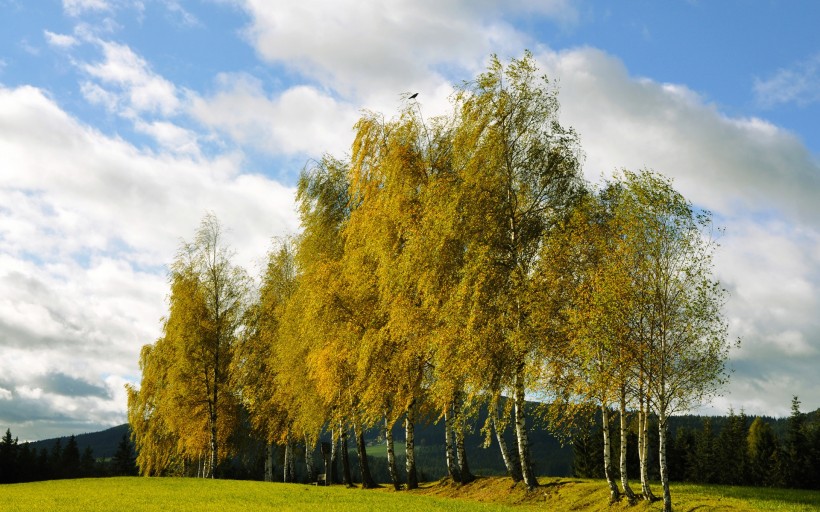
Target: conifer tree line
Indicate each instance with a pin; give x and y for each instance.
(444, 265)
(733, 450)
(23, 463)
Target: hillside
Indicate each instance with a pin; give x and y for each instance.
(103, 443)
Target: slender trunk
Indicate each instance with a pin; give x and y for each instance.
(463, 467)
(333, 477)
(449, 446)
(643, 449)
(521, 433)
(410, 450)
(212, 462)
(391, 454)
(310, 447)
(289, 470)
(215, 395)
(348, 481)
(510, 457)
(624, 479)
(667, 497)
(610, 481)
(361, 450)
(269, 453)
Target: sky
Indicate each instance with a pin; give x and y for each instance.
(123, 122)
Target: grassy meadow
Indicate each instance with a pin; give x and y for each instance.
(486, 494)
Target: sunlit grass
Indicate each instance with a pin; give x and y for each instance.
(197, 495)
(485, 494)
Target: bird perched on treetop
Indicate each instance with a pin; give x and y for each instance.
(413, 96)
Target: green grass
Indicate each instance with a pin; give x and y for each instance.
(197, 495)
(486, 494)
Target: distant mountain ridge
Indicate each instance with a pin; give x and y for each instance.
(103, 443)
(551, 457)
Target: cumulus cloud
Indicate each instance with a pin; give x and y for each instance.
(799, 84)
(760, 181)
(363, 49)
(136, 88)
(722, 163)
(301, 119)
(88, 223)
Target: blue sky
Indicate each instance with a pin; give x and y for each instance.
(122, 122)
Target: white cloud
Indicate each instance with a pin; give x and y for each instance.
(171, 137)
(88, 222)
(798, 84)
(761, 182)
(60, 40)
(365, 48)
(301, 119)
(719, 162)
(77, 7)
(5, 394)
(137, 88)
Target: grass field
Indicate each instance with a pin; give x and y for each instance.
(486, 494)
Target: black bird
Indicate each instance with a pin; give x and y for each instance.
(413, 96)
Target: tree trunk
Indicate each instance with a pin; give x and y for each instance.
(463, 467)
(310, 447)
(667, 497)
(521, 433)
(391, 454)
(643, 452)
(348, 481)
(334, 454)
(510, 457)
(410, 450)
(212, 462)
(289, 475)
(610, 481)
(269, 461)
(624, 478)
(449, 446)
(361, 450)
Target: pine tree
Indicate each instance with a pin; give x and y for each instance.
(732, 452)
(762, 447)
(70, 459)
(88, 463)
(124, 461)
(8, 458)
(797, 450)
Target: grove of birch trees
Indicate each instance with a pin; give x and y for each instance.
(444, 265)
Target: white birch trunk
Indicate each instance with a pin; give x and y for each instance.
(667, 497)
(333, 477)
(463, 467)
(391, 454)
(348, 480)
(509, 457)
(449, 446)
(610, 481)
(643, 449)
(310, 447)
(521, 434)
(623, 424)
(410, 448)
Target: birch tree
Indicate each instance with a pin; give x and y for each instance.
(518, 166)
(685, 333)
(186, 393)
